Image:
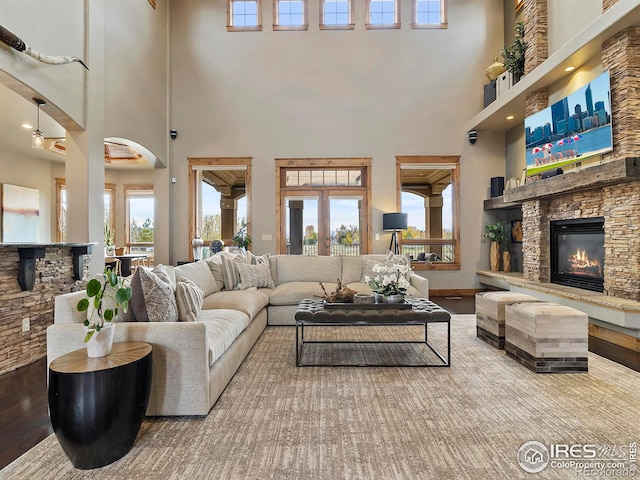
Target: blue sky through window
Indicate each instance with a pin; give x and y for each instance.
(382, 12)
(244, 13)
(290, 13)
(428, 12)
(336, 12)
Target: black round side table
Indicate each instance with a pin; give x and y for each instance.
(97, 405)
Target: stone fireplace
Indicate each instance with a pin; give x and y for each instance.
(577, 253)
(618, 204)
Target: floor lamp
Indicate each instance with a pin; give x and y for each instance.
(392, 222)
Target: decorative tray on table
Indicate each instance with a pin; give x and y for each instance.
(368, 306)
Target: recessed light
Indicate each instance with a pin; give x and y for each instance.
(510, 117)
(570, 69)
(26, 125)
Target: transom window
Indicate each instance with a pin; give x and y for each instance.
(330, 177)
(290, 15)
(429, 14)
(336, 14)
(244, 15)
(383, 14)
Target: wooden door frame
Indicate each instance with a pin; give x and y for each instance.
(282, 164)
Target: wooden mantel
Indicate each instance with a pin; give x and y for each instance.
(613, 172)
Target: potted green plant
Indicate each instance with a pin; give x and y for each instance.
(514, 55)
(499, 237)
(241, 239)
(103, 301)
(109, 244)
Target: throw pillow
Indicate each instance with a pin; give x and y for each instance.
(230, 272)
(215, 265)
(153, 299)
(188, 299)
(258, 276)
(255, 260)
(393, 259)
(200, 273)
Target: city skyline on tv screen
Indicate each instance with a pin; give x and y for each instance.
(572, 129)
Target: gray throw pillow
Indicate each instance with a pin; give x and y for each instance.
(153, 299)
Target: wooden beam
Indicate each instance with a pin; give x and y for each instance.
(612, 172)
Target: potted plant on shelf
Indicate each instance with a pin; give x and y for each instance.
(241, 239)
(104, 300)
(109, 246)
(499, 237)
(514, 55)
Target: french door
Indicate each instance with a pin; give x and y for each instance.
(324, 222)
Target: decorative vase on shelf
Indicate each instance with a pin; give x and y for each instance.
(494, 256)
(378, 298)
(101, 342)
(395, 298)
(506, 261)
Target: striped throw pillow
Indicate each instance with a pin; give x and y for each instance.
(189, 299)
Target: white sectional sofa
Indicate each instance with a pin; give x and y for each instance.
(193, 361)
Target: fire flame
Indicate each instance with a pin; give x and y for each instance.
(581, 264)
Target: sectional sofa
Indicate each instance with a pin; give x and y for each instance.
(193, 361)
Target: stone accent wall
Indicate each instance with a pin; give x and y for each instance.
(536, 101)
(620, 55)
(535, 34)
(606, 4)
(54, 276)
(620, 207)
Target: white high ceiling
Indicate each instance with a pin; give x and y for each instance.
(15, 111)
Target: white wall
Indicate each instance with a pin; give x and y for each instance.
(53, 28)
(333, 94)
(567, 18)
(32, 174)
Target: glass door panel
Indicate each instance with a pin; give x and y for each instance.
(302, 230)
(345, 225)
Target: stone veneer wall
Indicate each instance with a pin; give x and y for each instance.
(620, 207)
(621, 56)
(606, 4)
(535, 34)
(54, 276)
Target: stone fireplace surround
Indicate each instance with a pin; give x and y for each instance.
(610, 190)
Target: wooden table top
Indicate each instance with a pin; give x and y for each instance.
(122, 353)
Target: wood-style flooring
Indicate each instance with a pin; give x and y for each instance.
(24, 417)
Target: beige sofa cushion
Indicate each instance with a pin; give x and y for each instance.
(215, 265)
(291, 293)
(247, 301)
(200, 274)
(303, 268)
(223, 327)
(352, 266)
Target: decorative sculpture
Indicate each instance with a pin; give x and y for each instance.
(15, 42)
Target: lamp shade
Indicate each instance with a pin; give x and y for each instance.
(394, 221)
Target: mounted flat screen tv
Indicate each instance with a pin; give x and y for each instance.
(572, 129)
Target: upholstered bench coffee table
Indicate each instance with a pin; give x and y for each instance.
(416, 311)
(490, 314)
(547, 337)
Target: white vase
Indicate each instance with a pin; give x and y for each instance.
(101, 342)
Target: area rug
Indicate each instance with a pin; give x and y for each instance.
(277, 421)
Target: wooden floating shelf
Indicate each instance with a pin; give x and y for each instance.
(499, 203)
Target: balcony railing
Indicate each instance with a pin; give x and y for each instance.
(336, 249)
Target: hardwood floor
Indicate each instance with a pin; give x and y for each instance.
(24, 417)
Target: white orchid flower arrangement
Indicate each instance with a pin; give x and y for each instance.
(391, 279)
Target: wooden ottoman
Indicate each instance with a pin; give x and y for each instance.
(547, 337)
(490, 314)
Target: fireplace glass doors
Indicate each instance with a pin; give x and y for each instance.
(577, 253)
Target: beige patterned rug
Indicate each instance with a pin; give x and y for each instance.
(276, 421)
